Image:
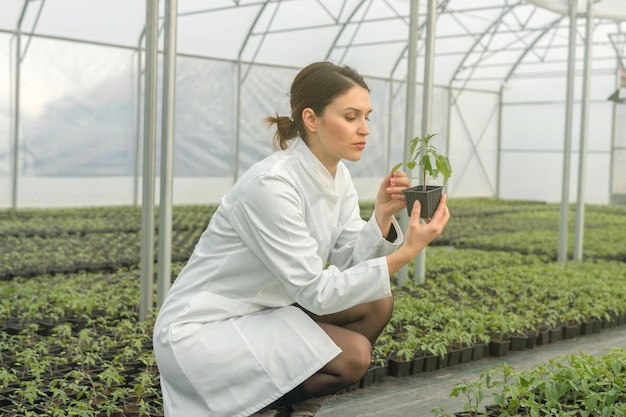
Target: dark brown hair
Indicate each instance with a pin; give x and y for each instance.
(315, 87)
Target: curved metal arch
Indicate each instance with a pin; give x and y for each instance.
(441, 9)
(487, 31)
(251, 29)
(343, 28)
(616, 44)
(531, 47)
(354, 34)
(240, 79)
(30, 37)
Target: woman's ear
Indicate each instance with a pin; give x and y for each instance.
(309, 118)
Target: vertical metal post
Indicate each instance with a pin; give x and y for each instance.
(584, 135)
(16, 104)
(16, 117)
(237, 123)
(137, 125)
(499, 145)
(409, 122)
(149, 163)
(164, 274)
(614, 127)
(427, 101)
(567, 146)
(389, 123)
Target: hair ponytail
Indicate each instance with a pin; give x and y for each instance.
(286, 130)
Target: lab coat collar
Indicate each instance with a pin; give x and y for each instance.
(315, 167)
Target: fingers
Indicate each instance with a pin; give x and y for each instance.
(398, 174)
(441, 216)
(419, 235)
(442, 209)
(416, 210)
(397, 181)
(387, 183)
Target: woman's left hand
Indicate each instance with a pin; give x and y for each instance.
(390, 198)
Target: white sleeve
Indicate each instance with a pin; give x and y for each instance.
(269, 219)
(359, 240)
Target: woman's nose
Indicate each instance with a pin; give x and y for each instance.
(364, 129)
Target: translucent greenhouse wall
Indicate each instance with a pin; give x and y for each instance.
(533, 136)
(79, 140)
(5, 117)
(618, 181)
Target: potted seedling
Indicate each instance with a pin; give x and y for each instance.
(425, 156)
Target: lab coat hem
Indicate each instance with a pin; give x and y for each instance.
(305, 375)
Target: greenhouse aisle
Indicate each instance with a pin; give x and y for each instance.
(416, 396)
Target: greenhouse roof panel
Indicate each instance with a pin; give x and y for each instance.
(605, 9)
(369, 34)
(220, 34)
(91, 20)
(11, 11)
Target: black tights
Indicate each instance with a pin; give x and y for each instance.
(354, 331)
(296, 395)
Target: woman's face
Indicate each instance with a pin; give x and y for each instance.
(341, 131)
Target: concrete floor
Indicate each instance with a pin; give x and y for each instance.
(418, 395)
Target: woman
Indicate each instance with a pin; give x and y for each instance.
(288, 287)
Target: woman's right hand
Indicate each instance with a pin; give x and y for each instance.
(418, 235)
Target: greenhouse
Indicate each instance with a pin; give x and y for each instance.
(123, 126)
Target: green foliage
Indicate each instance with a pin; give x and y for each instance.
(472, 391)
(491, 271)
(425, 156)
(573, 385)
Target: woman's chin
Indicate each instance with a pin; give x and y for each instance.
(354, 157)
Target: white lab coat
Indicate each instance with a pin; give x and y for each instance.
(228, 340)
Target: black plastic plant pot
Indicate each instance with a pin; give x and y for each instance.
(429, 199)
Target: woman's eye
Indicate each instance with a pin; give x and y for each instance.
(353, 118)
